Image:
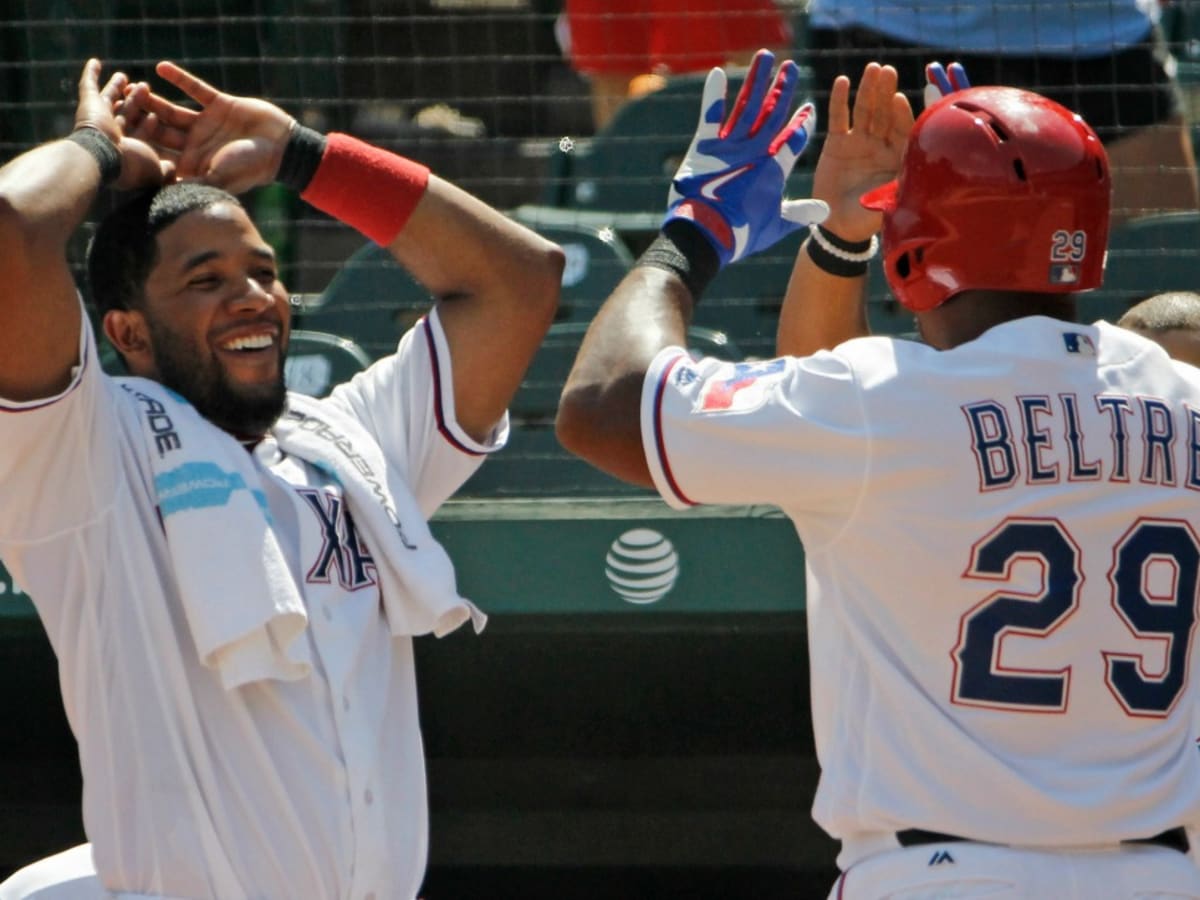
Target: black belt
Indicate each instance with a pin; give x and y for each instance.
(1174, 838)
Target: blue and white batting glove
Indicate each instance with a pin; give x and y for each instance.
(731, 182)
(940, 81)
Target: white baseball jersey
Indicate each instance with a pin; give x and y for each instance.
(1003, 552)
(305, 788)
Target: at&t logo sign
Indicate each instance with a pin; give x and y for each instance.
(642, 566)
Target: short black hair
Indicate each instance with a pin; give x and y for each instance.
(124, 248)
(1168, 311)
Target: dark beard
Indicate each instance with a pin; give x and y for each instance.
(241, 411)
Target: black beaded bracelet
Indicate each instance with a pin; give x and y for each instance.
(301, 157)
(682, 248)
(838, 256)
(103, 150)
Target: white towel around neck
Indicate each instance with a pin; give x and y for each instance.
(243, 607)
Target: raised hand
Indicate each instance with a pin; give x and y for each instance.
(862, 148)
(731, 182)
(232, 142)
(942, 80)
(101, 108)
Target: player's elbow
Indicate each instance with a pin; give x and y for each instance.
(19, 250)
(545, 278)
(597, 427)
(574, 424)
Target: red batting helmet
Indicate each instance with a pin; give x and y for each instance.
(999, 189)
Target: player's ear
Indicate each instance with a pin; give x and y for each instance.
(126, 330)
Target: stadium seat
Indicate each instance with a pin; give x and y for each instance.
(745, 299)
(536, 401)
(534, 464)
(318, 361)
(627, 166)
(597, 256)
(373, 300)
(1146, 256)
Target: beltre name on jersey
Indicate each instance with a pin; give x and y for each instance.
(1039, 440)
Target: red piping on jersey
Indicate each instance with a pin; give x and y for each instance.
(51, 401)
(437, 394)
(659, 443)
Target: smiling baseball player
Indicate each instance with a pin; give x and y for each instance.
(232, 575)
(998, 522)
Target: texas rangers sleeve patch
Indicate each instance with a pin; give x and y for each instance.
(739, 387)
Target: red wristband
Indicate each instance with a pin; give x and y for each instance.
(370, 189)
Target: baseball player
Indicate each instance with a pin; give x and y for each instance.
(1172, 320)
(999, 530)
(231, 575)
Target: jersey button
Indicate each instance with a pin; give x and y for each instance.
(368, 797)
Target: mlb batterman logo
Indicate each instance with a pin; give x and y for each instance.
(1081, 344)
(642, 566)
(740, 387)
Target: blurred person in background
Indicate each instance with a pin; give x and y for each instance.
(1104, 59)
(627, 48)
(1171, 319)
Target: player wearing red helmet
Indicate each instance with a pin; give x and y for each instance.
(1002, 568)
(1001, 189)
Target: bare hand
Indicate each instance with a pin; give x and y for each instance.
(99, 108)
(861, 151)
(232, 142)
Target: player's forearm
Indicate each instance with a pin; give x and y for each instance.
(820, 310)
(44, 196)
(458, 246)
(599, 416)
(453, 243)
(498, 283)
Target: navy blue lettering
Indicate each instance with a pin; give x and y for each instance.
(1193, 477)
(342, 546)
(1037, 440)
(362, 564)
(1080, 470)
(1118, 409)
(992, 443)
(1159, 432)
(332, 554)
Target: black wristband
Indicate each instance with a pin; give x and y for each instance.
(834, 265)
(301, 157)
(842, 244)
(103, 150)
(682, 248)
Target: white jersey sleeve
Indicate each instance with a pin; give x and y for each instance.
(406, 401)
(65, 446)
(727, 432)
